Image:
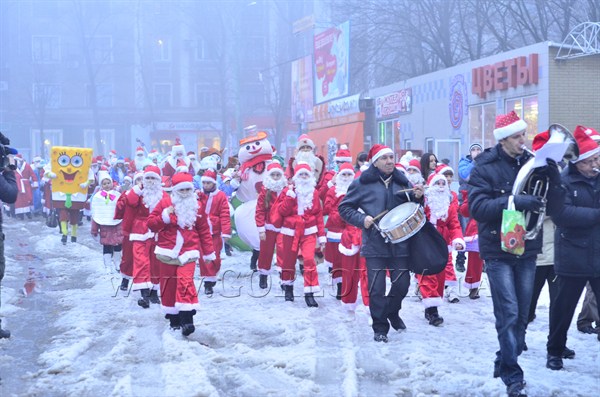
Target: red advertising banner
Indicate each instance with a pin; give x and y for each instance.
(396, 103)
(331, 51)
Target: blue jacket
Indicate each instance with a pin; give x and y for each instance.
(577, 235)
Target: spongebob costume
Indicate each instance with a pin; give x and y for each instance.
(71, 175)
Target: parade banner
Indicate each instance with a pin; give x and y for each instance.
(302, 90)
(332, 57)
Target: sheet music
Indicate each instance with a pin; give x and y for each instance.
(552, 150)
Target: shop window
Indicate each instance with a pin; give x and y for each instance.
(162, 50)
(386, 133)
(482, 119)
(527, 109)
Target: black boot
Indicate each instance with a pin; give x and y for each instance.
(73, 239)
(144, 301)
(186, 319)
(396, 322)
(254, 259)
(4, 333)
(262, 281)
(431, 314)
(174, 321)
(310, 300)
(154, 297)
(124, 284)
(338, 295)
(289, 292)
(227, 249)
(208, 287)
(64, 239)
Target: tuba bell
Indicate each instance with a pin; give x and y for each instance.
(531, 181)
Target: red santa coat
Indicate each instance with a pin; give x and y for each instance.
(296, 224)
(139, 227)
(126, 213)
(267, 217)
(450, 227)
(217, 209)
(180, 243)
(335, 224)
(25, 178)
(325, 184)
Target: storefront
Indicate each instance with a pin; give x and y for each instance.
(453, 108)
(193, 135)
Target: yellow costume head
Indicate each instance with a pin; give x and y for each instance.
(71, 166)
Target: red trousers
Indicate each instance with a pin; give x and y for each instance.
(306, 248)
(146, 268)
(211, 270)
(333, 258)
(354, 270)
(177, 288)
(127, 258)
(450, 274)
(474, 270)
(267, 249)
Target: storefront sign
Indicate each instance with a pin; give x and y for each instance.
(188, 125)
(331, 51)
(394, 104)
(337, 108)
(502, 75)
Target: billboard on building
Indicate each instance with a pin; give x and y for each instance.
(394, 104)
(302, 90)
(332, 57)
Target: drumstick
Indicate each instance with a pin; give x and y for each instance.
(411, 189)
(380, 215)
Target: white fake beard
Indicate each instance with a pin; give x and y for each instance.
(140, 163)
(307, 157)
(152, 194)
(342, 184)
(415, 179)
(305, 189)
(186, 208)
(438, 200)
(273, 185)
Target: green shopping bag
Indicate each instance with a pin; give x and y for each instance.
(513, 228)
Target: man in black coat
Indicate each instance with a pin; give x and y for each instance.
(375, 191)
(8, 194)
(511, 277)
(576, 243)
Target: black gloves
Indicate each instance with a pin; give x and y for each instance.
(528, 202)
(553, 173)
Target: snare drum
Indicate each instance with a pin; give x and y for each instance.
(402, 222)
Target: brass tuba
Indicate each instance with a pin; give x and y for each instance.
(531, 181)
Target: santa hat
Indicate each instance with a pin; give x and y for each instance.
(127, 178)
(377, 151)
(587, 146)
(167, 183)
(302, 167)
(37, 159)
(304, 140)
(592, 133)
(99, 159)
(475, 146)
(191, 155)
(177, 149)
(414, 164)
(139, 150)
(19, 156)
(153, 153)
(274, 166)
(103, 168)
(434, 178)
(507, 125)
(401, 168)
(181, 166)
(102, 175)
(182, 180)
(209, 176)
(540, 140)
(113, 152)
(343, 155)
(346, 167)
(443, 169)
(138, 175)
(152, 170)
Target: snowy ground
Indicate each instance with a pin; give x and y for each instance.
(74, 335)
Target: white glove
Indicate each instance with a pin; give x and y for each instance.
(137, 190)
(34, 185)
(84, 185)
(50, 174)
(291, 193)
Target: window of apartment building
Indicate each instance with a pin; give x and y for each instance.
(204, 50)
(46, 95)
(163, 95)
(408, 144)
(100, 48)
(104, 95)
(162, 50)
(107, 138)
(207, 96)
(429, 145)
(482, 119)
(527, 109)
(41, 143)
(45, 49)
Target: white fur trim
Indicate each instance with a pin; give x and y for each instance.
(210, 257)
(141, 237)
(511, 129)
(169, 309)
(183, 185)
(291, 193)
(432, 302)
(380, 153)
(334, 236)
(349, 251)
(261, 229)
(208, 179)
(311, 230)
(459, 241)
(213, 279)
(226, 235)
(350, 306)
(136, 189)
(450, 283)
(187, 307)
(330, 184)
(272, 228)
(189, 256)
(322, 239)
(287, 231)
(150, 173)
(587, 154)
(327, 263)
(471, 285)
(336, 280)
(311, 288)
(166, 218)
(139, 286)
(287, 282)
(344, 159)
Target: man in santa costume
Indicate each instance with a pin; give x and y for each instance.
(26, 180)
(335, 224)
(305, 152)
(302, 227)
(183, 237)
(112, 158)
(413, 172)
(441, 211)
(145, 266)
(194, 163)
(140, 160)
(175, 159)
(219, 222)
(268, 220)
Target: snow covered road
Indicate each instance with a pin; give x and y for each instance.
(75, 335)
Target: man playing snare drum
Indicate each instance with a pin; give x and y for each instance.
(381, 188)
